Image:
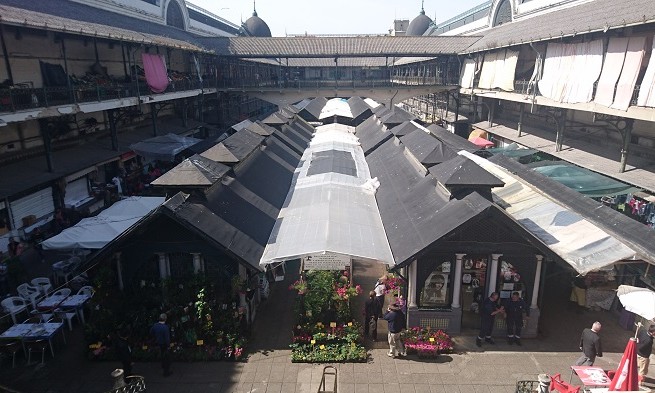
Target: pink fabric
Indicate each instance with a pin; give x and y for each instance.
(155, 69)
(611, 70)
(631, 67)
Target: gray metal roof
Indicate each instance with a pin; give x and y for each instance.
(303, 47)
(592, 16)
(75, 18)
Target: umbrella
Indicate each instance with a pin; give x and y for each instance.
(626, 378)
(640, 301)
(481, 142)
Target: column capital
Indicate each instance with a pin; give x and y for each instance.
(496, 256)
(539, 257)
(460, 256)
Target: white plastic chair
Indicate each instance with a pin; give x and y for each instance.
(68, 270)
(29, 293)
(67, 315)
(14, 305)
(87, 290)
(63, 292)
(43, 283)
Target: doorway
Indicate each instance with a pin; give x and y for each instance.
(474, 278)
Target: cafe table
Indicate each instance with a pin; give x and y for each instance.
(76, 302)
(33, 331)
(591, 376)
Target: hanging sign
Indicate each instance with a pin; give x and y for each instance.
(327, 261)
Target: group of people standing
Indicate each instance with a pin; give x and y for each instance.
(394, 316)
(513, 309)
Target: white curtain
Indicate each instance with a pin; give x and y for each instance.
(585, 71)
(631, 66)
(468, 73)
(611, 70)
(489, 69)
(551, 69)
(505, 70)
(647, 90)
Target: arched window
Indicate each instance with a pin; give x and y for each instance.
(174, 15)
(503, 13)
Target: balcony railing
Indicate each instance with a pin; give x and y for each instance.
(17, 99)
(521, 87)
(253, 84)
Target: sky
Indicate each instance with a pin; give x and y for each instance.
(333, 16)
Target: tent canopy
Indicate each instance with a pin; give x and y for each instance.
(163, 147)
(96, 232)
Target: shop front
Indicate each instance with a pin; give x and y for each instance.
(448, 289)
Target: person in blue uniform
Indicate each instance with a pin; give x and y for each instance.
(515, 307)
(488, 313)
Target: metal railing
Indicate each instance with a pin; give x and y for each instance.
(300, 84)
(23, 98)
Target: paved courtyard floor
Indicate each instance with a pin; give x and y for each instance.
(492, 368)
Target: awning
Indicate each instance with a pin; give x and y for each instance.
(164, 147)
(578, 241)
(331, 207)
(96, 232)
(584, 181)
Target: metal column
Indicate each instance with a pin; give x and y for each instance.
(111, 115)
(627, 135)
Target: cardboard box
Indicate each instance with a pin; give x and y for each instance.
(29, 220)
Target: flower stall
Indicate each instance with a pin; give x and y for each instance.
(205, 320)
(325, 331)
(427, 343)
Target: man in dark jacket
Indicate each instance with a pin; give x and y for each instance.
(644, 349)
(397, 322)
(163, 338)
(371, 317)
(590, 345)
(515, 307)
(487, 316)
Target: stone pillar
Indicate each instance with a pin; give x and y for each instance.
(197, 263)
(119, 270)
(163, 271)
(493, 273)
(411, 285)
(537, 280)
(457, 287)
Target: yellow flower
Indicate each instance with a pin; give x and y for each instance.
(322, 347)
(431, 339)
(350, 323)
(313, 342)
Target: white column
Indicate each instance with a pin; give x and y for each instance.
(493, 273)
(119, 270)
(411, 285)
(457, 287)
(197, 264)
(163, 272)
(168, 266)
(537, 280)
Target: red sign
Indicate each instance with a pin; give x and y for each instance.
(591, 376)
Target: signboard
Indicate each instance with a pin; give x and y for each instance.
(326, 261)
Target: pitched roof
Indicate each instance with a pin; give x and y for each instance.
(75, 18)
(304, 47)
(460, 171)
(427, 149)
(195, 171)
(587, 17)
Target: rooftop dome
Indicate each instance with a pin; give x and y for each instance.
(255, 27)
(419, 25)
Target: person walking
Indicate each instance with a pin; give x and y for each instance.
(488, 313)
(397, 323)
(124, 351)
(162, 335)
(371, 317)
(515, 307)
(644, 349)
(590, 345)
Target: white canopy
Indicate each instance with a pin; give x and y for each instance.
(336, 107)
(331, 208)
(96, 232)
(581, 243)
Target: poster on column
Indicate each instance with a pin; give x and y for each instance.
(327, 261)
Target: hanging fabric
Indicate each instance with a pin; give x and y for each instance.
(551, 69)
(631, 67)
(197, 64)
(586, 68)
(489, 69)
(647, 89)
(155, 70)
(468, 73)
(505, 71)
(611, 70)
